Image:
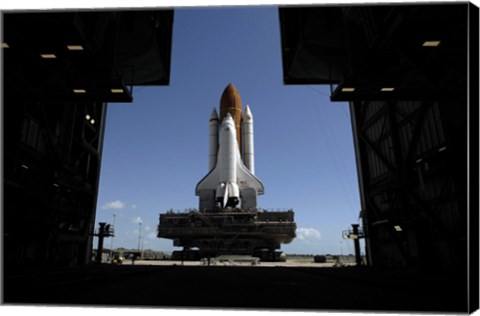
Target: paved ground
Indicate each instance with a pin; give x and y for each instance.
(242, 264)
(267, 286)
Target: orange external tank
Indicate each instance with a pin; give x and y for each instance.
(230, 102)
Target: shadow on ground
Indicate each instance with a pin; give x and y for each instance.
(272, 288)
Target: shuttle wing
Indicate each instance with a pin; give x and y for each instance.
(245, 179)
(209, 182)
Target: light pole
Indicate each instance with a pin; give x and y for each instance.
(139, 236)
(113, 236)
(341, 250)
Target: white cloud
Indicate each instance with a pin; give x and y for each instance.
(152, 235)
(308, 235)
(117, 205)
(113, 205)
(137, 220)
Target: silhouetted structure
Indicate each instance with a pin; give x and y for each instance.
(104, 230)
(51, 172)
(60, 70)
(409, 73)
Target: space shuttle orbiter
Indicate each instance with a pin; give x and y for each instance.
(231, 178)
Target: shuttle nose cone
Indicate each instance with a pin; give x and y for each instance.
(228, 120)
(228, 123)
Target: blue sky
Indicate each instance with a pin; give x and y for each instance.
(156, 148)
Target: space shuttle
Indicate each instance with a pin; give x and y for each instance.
(231, 181)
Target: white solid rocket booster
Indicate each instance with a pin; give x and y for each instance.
(213, 140)
(247, 130)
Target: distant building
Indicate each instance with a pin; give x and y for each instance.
(410, 75)
(60, 69)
